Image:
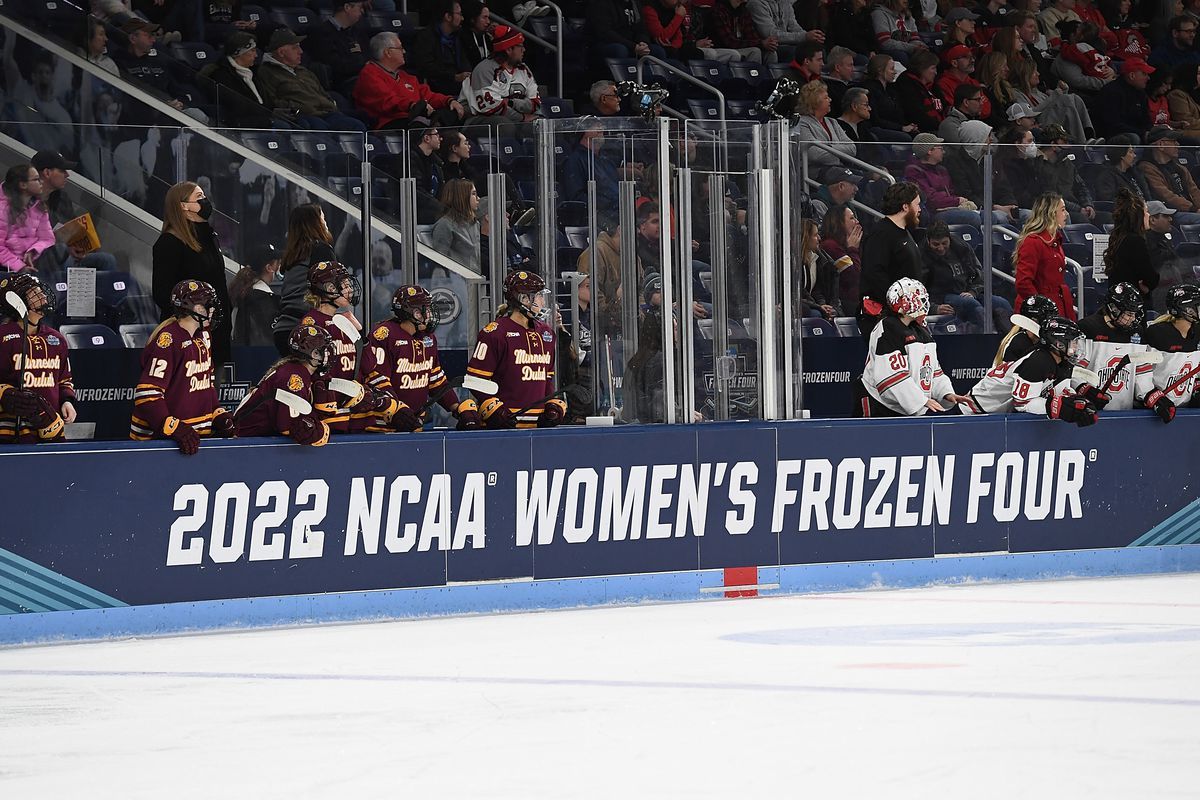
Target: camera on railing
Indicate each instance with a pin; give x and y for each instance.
(646, 99)
(785, 89)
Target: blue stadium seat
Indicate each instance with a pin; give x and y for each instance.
(705, 109)
(391, 22)
(254, 14)
(740, 109)
(572, 214)
(779, 70)
(752, 73)
(135, 336)
(349, 188)
(1190, 233)
(522, 168)
(196, 55)
(545, 27)
(113, 287)
(91, 337)
(712, 72)
(313, 148)
(298, 18)
(847, 326)
(577, 235)
(817, 326)
(567, 258)
(968, 233)
(268, 143)
(555, 107)
(1080, 233)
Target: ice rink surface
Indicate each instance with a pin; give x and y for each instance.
(1073, 689)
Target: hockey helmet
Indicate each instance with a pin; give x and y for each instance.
(1184, 301)
(412, 303)
(313, 345)
(1039, 308)
(520, 288)
(1062, 336)
(188, 294)
(908, 298)
(327, 280)
(1122, 299)
(26, 286)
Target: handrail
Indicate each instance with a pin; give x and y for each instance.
(213, 135)
(887, 176)
(557, 49)
(999, 273)
(689, 78)
(1080, 271)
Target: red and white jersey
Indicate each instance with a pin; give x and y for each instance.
(492, 86)
(344, 365)
(902, 370)
(1103, 350)
(520, 360)
(1025, 385)
(177, 381)
(47, 371)
(1179, 358)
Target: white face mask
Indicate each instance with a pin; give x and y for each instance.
(1027, 150)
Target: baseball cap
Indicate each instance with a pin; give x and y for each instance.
(239, 43)
(282, 37)
(135, 25)
(50, 159)
(1049, 134)
(838, 174)
(957, 51)
(1135, 65)
(1021, 110)
(923, 143)
(1160, 133)
(1158, 208)
(955, 14)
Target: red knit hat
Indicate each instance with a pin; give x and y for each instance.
(505, 37)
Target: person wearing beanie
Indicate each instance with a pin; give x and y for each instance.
(965, 165)
(937, 190)
(502, 88)
(237, 101)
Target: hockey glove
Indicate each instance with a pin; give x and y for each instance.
(1157, 402)
(405, 419)
(183, 434)
(468, 416)
(48, 421)
(20, 402)
(1071, 408)
(496, 415)
(1094, 396)
(308, 430)
(223, 426)
(553, 413)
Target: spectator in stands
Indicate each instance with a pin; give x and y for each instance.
(1059, 106)
(994, 14)
(914, 92)
(255, 304)
(850, 26)
(965, 165)
(602, 260)
(238, 102)
(1058, 11)
(781, 32)
(960, 64)
(455, 154)
(681, 34)
(1157, 88)
(456, 234)
(838, 187)
(502, 88)
(839, 74)
(25, 231)
(604, 99)
(1127, 259)
(886, 113)
(181, 18)
(841, 236)
(340, 43)
(809, 62)
(648, 222)
(476, 32)
(1079, 48)
(1124, 104)
(1025, 40)
(956, 279)
(1039, 258)
(968, 104)
(1108, 39)
(222, 19)
(308, 243)
(896, 31)
(856, 116)
(1182, 99)
(1056, 171)
(733, 27)
(95, 48)
(814, 125)
(141, 62)
(587, 160)
(393, 97)
(187, 249)
(959, 25)
(438, 53)
(1164, 261)
(426, 168)
(55, 172)
(618, 31)
(1170, 181)
(1118, 171)
(993, 75)
(817, 290)
(295, 91)
(1180, 46)
(889, 252)
(937, 191)
(1021, 115)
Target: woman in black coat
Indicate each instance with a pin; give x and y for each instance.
(255, 304)
(187, 249)
(886, 113)
(1127, 259)
(229, 84)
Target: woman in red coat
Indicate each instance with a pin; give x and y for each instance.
(1039, 257)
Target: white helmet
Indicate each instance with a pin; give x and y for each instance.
(908, 298)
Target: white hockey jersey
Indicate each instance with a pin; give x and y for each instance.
(902, 370)
(1179, 357)
(1025, 385)
(1104, 348)
(495, 90)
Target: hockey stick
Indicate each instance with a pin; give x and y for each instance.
(1136, 359)
(297, 404)
(1026, 324)
(475, 383)
(22, 310)
(1181, 380)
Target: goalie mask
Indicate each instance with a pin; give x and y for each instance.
(908, 298)
(188, 294)
(312, 345)
(1123, 306)
(415, 304)
(29, 288)
(522, 291)
(1062, 336)
(1183, 301)
(1039, 308)
(330, 280)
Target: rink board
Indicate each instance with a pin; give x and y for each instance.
(265, 532)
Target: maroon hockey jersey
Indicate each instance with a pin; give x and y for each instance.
(332, 405)
(520, 360)
(403, 366)
(177, 381)
(262, 413)
(47, 372)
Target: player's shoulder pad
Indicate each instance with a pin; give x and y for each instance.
(894, 336)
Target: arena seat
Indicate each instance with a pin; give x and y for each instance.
(298, 18)
(557, 107)
(817, 326)
(752, 73)
(577, 235)
(196, 55)
(622, 69)
(847, 326)
(705, 109)
(741, 109)
(968, 233)
(1191, 233)
(381, 22)
(1080, 233)
(136, 335)
(91, 337)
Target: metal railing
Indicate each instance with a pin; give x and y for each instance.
(690, 79)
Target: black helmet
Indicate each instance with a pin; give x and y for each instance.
(313, 345)
(1121, 299)
(1039, 308)
(409, 299)
(1061, 335)
(1184, 301)
(24, 285)
(188, 294)
(523, 283)
(325, 280)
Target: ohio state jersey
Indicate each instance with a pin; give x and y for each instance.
(902, 370)
(404, 366)
(262, 413)
(1024, 385)
(1179, 358)
(345, 361)
(177, 381)
(520, 360)
(1103, 350)
(47, 372)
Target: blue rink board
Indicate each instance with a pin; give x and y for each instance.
(526, 596)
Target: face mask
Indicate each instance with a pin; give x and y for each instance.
(1027, 150)
(206, 208)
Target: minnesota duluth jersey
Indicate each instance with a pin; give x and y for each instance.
(343, 365)
(176, 381)
(902, 370)
(1024, 385)
(262, 413)
(1179, 358)
(402, 365)
(1103, 350)
(47, 371)
(520, 360)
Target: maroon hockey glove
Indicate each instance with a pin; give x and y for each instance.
(468, 416)
(20, 402)
(1071, 408)
(1157, 402)
(223, 426)
(309, 431)
(183, 434)
(552, 414)
(496, 415)
(405, 419)
(1097, 398)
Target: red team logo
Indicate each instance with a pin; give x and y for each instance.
(1119, 382)
(1184, 388)
(926, 375)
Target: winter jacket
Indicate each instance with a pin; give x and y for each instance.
(920, 105)
(236, 104)
(956, 272)
(387, 97)
(1185, 111)
(948, 130)
(437, 59)
(458, 240)
(1123, 109)
(603, 263)
(848, 278)
(1171, 183)
(885, 111)
(1041, 265)
(827, 131)
(343, 50)
(174, 261)
(617, 22)
(254, 316)
(292, 305)
(777, 18)
(285, 88)
(1062, 176)
(1107, 180)
(937, 190)
(29, 232)
(966, 175)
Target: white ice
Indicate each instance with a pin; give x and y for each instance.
(1087, 689)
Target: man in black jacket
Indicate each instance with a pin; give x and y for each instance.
(340, 43)
(956, 279)
(427, 169)
(141, 62)
(1124, 104)
(230, 85)
(438, 57)
(1160, 242)
(618, 31)
(889, 252)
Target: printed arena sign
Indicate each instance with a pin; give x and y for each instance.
(140, 524)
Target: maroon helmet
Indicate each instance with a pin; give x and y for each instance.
(188, 294)
(25, 285)
(410, 299)
(313, 345)
(521, 283)
(325, 279)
